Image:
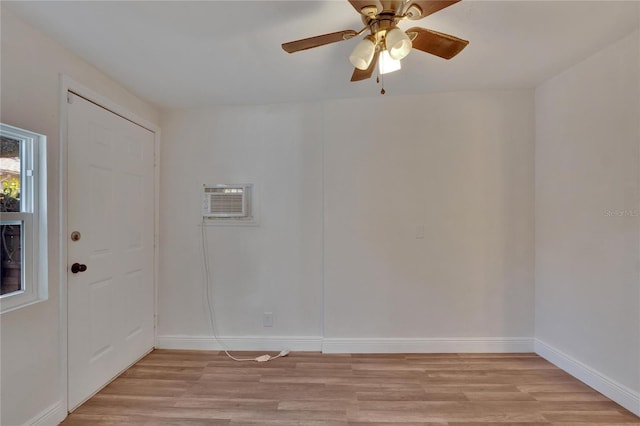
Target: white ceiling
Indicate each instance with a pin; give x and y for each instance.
(209, 53)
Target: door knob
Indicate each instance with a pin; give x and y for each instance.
(78, 267)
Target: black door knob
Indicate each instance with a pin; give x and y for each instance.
(78, 267)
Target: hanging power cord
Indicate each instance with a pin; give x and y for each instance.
(212, 315)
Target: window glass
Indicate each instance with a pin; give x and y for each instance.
(11, 260)
(10, 175)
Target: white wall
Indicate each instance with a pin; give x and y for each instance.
(275, 266)
(586, 216)
(459, 164)
(30, 67)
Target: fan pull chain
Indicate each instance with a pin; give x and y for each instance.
(380, 79)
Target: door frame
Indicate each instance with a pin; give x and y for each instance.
(68, 84)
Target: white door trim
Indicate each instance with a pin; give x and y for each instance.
(68, 84)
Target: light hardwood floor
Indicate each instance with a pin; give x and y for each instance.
(306, 388)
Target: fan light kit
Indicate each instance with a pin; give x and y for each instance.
(386, 44)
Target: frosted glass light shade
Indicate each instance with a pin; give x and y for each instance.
(398, 43)
(387, 63)
(363, 54)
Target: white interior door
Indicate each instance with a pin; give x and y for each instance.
(111, 207)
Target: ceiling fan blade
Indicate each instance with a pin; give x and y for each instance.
(321, 40)
(429, 7)
(359, 5)
(359, 74)
(443, 45)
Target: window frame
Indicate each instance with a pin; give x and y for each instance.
(33, 216)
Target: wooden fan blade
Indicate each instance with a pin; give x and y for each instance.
(358, 5)
(321, 40)
(430, 6)
(359, 74)
(444, 45)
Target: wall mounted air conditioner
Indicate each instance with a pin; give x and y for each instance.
(226, 201)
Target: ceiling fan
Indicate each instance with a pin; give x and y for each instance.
(386, 44)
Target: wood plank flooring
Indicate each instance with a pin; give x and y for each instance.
(311, 389)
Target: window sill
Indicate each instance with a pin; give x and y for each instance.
(13, 302)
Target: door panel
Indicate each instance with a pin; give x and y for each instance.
(110, 202)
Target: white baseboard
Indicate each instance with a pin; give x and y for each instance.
(244, 343)
(613, 390)
(50, 416)
(427, 345)
(349, 345)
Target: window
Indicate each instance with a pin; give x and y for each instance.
(23, 226)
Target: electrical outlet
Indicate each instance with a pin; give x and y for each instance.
(267, 319)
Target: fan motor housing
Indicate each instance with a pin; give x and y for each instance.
(382, 22)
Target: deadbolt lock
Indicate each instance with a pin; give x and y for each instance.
(75, 236)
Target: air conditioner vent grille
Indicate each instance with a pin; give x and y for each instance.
(225, 201)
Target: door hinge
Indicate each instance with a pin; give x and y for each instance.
(69, 97)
